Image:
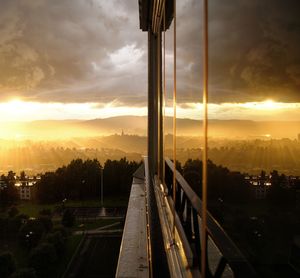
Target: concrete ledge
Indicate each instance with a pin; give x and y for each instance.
(133, 257)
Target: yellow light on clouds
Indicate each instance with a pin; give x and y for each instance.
(266, 105)
(19, 110)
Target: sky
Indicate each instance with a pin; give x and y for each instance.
(85, 59)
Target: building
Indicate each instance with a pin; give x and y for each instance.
(26, 189)
(2, 184)
(260, 192)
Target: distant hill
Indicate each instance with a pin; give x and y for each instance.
(138, 125)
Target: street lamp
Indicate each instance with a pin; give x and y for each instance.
(102, 187)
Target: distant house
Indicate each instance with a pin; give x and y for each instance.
(259, 186)
(26, 189)
(260, 192)
(2, 184)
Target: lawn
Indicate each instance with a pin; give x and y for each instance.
(101, 257)
(32, 209)
(71, 246)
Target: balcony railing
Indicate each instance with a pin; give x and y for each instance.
(183, 256)
(223, 257)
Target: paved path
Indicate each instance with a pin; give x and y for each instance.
(101, 230)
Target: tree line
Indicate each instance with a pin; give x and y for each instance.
(81, 180)
(232, 187)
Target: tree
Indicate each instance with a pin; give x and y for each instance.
(23, 178)
(118, 176)
(7, 265)
(13, 225)
(222, 184)
(45, 212)
(46, 222)
(42, 259)
(58, 242)
(278, 194)
(31, 233)
(8, 193)
(13, 211)
(68, 219)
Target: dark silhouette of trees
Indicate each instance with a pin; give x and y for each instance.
(13, 211)
(42, 259)
(10, 226)
(81, 180)
(222, 184)
(22, 176)
(278, 194)
(78, 180)
(31, 233)
(46, 221)
(68, 219)
(8, 192)
(118, 176)
(58, 242)
(7, 265)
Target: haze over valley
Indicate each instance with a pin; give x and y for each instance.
(240, 145)
(64, 129)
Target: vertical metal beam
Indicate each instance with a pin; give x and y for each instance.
(152, 103)
(160, 110)
(205, 147)
(155, 148)
(155, 104)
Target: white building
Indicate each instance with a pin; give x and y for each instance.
(26, 189)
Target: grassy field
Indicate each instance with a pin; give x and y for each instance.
(101, 257)
(72, 244)
(32, 209)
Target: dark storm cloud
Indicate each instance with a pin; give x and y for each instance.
(254, 49)
(63, 50)
(93, 51)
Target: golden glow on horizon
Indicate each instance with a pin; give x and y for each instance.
(19, 110)
(263, 105)
(266, 105)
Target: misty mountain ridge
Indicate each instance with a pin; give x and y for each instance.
(243, 129)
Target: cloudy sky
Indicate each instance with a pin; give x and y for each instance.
(88, 58)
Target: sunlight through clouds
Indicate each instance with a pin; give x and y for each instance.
(126, 56)
(18, 110)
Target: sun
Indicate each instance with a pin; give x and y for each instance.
(269, 105)
(266, 105)
(17, 110)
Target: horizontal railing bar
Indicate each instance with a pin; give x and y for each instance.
(186, 246)
(229, 250)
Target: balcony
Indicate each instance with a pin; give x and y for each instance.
(140, 248)
(163, 234)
